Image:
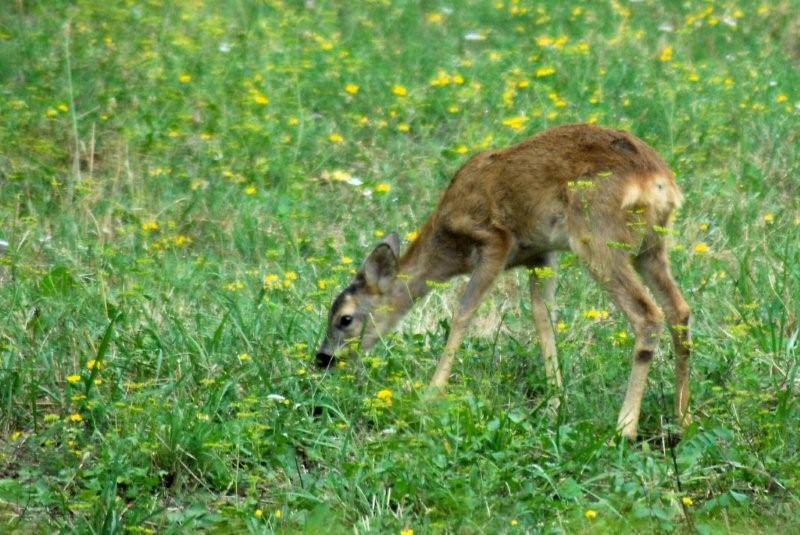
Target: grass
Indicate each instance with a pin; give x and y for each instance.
(185, 185)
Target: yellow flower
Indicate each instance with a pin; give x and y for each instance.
(290, 275)
(514, 522)
(435, 18)
(666, 54)
(399, 90)
(74, 378)
(781, 98)
(234, 286)
(693, 77)
(75, 418)
(278, 513)
(185, 78)
(51, 112)
(541, 72)
(351, 88)
(383, 187)
(271, 281)
(384, 395)
(258, 513)
(403, 127)
(335, 138)
(63, 107)
(561, 326)
(150, 225)
(244, 357)
(593, 314)
(687, 501)
(260, 98)
(250, 190)
(15, 435)
(411, 236)
(590, 514)
(769, 217)
(378, 233)
(92, 364)
(346, 260)
(407, 531)
(701, 248)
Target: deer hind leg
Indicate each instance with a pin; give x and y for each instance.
(492, 254)
(613, 270)
(543, 289)
(654, 268)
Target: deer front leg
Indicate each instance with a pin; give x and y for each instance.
(542, 289)
(491, 261)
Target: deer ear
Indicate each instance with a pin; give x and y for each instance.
(393, 241)
(380, 267)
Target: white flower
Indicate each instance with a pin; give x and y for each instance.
(474, 36)
(276, 397)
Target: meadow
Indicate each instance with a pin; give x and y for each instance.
(184, 187)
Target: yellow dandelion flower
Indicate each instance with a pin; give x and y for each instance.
(244, 357)
(453, 108)
(346, 260)
(351, 88)
(399, 90)
(541, 72)
(590, 514)
(75, 417)
(74, 378)
(403, 127)
(383, 187)
(15, 435)
(250, 190)
(51, 112)
(271, 281)
(435, 18)
(260, 98)
(461, 149)
(701, 248)
(781, 98)
(185, 78)
(594, 314)
(665, 54)
(63, 107)
(693, 77)
(769, 217)
(92, 364)
(335, 138)
(378, 233)
(258, 513)
(278, 513)
(150, 225)
(322, 284)
(384, 395)
(561, 326)
(411, 236)
(234, 286)
(687, 501)
(407, 531)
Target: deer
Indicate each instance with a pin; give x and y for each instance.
(603, 194)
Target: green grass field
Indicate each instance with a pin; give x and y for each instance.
(184, 187)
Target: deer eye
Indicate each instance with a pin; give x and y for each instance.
(344, 321)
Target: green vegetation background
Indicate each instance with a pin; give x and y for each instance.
(184, 186)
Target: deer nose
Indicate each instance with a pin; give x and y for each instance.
(324, 360)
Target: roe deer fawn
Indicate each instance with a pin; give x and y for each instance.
(603, 194)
